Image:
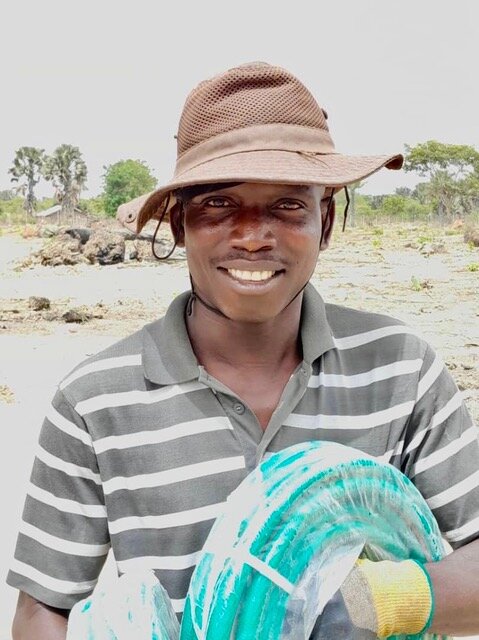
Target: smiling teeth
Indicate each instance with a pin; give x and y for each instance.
(255, 276)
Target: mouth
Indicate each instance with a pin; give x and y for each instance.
(252, 277)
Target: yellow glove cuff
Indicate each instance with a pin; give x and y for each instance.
(401, 595)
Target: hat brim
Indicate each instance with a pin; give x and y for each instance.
(271, 166)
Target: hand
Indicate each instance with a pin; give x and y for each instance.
(389, 598)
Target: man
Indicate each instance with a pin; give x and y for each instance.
(145, 441)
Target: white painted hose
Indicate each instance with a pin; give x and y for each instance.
(288, 537)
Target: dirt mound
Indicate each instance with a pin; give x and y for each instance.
(61, 250)
(82, 234)
(141, 250)
(81, 246)
(99, 244)
(105, 247)
(38, 303)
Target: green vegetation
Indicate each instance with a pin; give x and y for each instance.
(453, 172)
(453, 231)
(474, 266)
(93, 206)
(424, 239)
(451, 190)
(124, 181)
(416, 284)
(12, 211)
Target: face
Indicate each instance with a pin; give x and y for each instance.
(252, 247)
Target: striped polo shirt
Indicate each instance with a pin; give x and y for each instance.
(141, 446)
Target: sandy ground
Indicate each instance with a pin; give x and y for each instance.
(382, 270)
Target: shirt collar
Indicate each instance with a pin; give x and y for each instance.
(168, 357)
(316, 334)
(167, 354)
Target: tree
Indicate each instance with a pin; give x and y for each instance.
(394, 205)
(403, 207)
(470, 193)
(26, 170)
(67, 171)
(404, 191)
(449, 168)
(375, 201)
(352, 189)
(421, 192)
(125, 180)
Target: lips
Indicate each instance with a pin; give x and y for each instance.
(251, 276)
(253, 270)
(254, 273)
(248, 280)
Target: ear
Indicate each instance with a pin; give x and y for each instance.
(327, 221)
(176, 224)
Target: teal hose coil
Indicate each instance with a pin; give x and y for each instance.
(313, 502)
(288, 537)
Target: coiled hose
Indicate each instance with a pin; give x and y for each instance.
(312, 503)
(288, 537)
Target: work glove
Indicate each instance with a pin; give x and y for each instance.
(389, 598)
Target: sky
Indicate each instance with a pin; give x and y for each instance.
(111, 76)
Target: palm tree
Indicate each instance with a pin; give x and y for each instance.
(27, 167)
(67, 171)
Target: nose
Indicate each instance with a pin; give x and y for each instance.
(252, 231)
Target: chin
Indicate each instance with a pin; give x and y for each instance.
(252, 312)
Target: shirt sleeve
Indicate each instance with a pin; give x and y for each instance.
(63, 539)
(441, 453)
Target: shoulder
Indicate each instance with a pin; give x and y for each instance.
(357, 330)
(118, 367)
(344, 320)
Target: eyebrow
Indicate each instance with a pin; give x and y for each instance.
(287, 189)
(193, 191)
(296, 191)
(298, 188)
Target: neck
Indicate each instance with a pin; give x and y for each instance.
(218, 339)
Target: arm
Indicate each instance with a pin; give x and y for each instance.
(34, 619)
(455, 581)
(440, 454)
(395, 598)
(63, 539)
(441, 457)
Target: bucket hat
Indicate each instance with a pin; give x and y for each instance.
(253, 123)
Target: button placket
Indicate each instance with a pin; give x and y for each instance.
(239, 408)
(292, 394)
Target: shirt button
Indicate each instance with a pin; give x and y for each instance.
(238, 407)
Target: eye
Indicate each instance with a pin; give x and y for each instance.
(216, 202)
(289, 205)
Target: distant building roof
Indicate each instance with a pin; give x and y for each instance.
(49, 212)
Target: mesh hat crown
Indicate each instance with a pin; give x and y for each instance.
(251, 95)
(253, 123)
